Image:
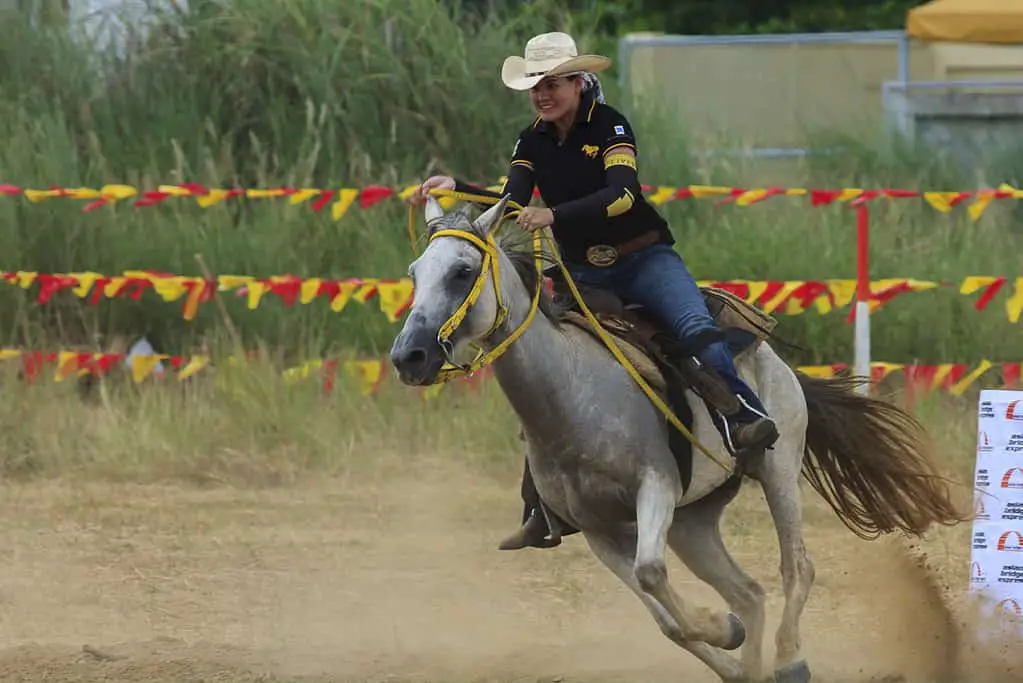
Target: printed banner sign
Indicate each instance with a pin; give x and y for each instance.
(996, 569)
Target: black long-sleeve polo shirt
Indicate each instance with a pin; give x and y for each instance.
(592, 188)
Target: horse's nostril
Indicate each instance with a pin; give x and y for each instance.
(416, 357)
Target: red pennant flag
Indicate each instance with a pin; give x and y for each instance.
(823, 197)
(989, 293)
(151, 197)
(323, 200)
(1011, 373)
(49, 285)
(289, 290)
(373, 194)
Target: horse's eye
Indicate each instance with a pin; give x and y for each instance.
(463, 272)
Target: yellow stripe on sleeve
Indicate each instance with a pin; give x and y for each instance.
(620, 160)
(620, 205)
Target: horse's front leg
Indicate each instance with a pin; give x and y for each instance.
(655, 508)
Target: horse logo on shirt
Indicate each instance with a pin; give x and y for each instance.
(590, 150)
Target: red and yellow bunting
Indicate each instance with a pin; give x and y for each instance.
(340, 200)
(367, 375)
(394, 296)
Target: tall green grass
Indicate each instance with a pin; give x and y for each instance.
(261, 93)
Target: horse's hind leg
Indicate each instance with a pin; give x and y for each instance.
(655, 507)
(696, 538)
(780, 480)
(618, 555)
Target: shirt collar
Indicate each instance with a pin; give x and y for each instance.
(587, 105)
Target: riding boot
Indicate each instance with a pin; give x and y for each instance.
(534, 532)
(746, 426)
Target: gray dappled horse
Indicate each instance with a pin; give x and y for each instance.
(599, 451)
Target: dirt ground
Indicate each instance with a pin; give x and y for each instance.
(372, 578)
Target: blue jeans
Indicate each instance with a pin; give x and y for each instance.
(656, 278)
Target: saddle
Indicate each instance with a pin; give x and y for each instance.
(651, 347)
(665, 363)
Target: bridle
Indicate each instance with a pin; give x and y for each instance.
(491, 264)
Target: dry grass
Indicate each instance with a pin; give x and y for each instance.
(243, 530)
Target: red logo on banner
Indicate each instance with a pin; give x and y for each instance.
(1013, 478)
(1003, 542)
(983, 442)
(1011, 607)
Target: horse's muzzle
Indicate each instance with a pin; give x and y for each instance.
(417, 356)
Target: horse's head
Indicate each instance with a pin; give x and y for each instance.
(457, 285)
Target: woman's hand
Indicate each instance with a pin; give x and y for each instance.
(534, 218)
(442, 182)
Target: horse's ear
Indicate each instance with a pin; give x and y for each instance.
(433, 210)
(491, 218)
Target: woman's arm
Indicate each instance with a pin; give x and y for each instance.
(519, 185)
(620, 175)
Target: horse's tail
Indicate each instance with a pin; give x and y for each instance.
(870, 461)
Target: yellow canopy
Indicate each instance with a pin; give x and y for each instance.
(968, 21)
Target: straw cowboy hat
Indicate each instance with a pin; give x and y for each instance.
(548, 54)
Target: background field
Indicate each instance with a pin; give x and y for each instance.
(236, 528)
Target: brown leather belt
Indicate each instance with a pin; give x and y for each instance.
(604, 255)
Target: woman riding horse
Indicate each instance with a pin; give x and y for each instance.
(581, 154)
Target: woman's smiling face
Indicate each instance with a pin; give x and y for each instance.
(555, 97)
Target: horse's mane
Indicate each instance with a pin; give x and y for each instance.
(517, 245)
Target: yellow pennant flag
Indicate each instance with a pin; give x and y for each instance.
(215, 196)
(963, 384)
(308, 290)
(346, 288)
(787, 289)
(25, 278)
(842, 291)
(366, 289)
(67, 363)
(980, 204)
(662, 195)
(750, 196)
(264, 194)
(1014, 304)
(303, 195)
(118, 192)
(367, 374)
(345, 197)
(254, 293)
(85, 283)
(942, 201)
(142, 366)
(756, 290)
(394, 298)
(972, 283)
(195, 364)
(704, 191)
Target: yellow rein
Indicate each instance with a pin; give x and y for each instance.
(490, 261)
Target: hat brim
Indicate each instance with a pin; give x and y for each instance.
(513, 72)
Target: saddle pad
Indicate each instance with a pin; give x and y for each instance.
(644, 365)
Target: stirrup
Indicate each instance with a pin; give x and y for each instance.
(532, 534)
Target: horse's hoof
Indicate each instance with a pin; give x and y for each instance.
(738, 636)
(796, 672)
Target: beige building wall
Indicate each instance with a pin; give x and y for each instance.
(767, 95)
